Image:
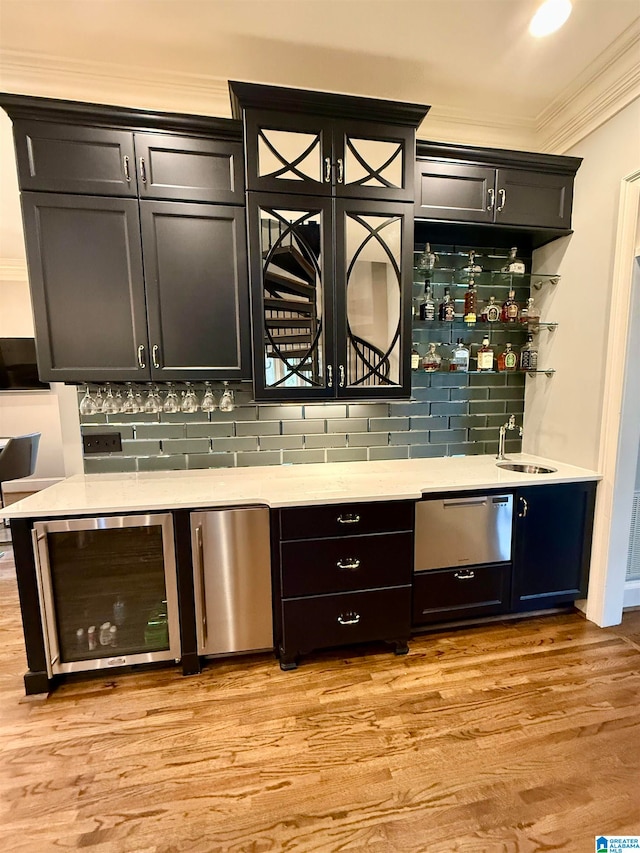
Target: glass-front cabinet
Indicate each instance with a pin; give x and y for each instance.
(331, 294)
(108, 591)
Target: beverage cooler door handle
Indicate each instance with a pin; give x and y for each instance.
(200, 546)
(45, 598)
(525, 508)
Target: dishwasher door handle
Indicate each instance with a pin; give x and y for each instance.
(482, 501)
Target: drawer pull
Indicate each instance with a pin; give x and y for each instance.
(350, 618)
(465, 575)
(351, 563)
(349, 518)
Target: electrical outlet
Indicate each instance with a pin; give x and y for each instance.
(102, 442)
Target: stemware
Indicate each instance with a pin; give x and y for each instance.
(153, 403)
(130, 405)
(189, 403)
(208, 401)
(87, 404)
(227, 402)
(99, 401)
(171, 402)
(110, 405)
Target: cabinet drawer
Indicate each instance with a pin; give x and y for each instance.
(457, 593)
(321, 566)
(314, 522)
(351, 617)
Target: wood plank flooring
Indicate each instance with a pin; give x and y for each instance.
(512, 737)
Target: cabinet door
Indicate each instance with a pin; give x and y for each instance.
(454, 191)
(288, 153)
(373, 161)
(74, 159)
(552, 546)
(85, 270)
(373, 298)
(291, 287)
(533, 198)
(195, 262)
(189, 169)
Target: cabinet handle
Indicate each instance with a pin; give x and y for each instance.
(465, 575)
(503, 198)
(492, 199)
(330, 375)
(143, 171)
(327, 170)
(351, 564)
(349, 618)
(127, 171)
(200, 545)
(154, 355)
(141, 362)
(349, 518)
(525, 508)
(340, 170)
(341, 375)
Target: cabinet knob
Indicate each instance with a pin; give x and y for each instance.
(348, 518)
(350, 564)
(350, 618)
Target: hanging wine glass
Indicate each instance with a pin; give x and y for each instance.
(227, 402)
(153, 403)
(87, 404)
(139, 400)
(110, 405)
(171, 403)
(118, 399)
(129, 406)
(189, 402)
(99, 401)
(208, 401)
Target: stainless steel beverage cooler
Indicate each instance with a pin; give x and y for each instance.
(108, 591)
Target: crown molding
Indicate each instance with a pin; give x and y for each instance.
(13, 269)
(125, 85)
(452, 124)
(608, 85)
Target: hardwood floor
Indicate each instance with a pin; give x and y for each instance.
(510, 737)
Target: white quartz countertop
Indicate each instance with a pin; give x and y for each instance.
(282, 486)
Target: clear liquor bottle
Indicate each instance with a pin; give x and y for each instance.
(446, 309)
(431, 360)
(507, 360)
(485, 355)
(530, 313)
(510, 309)
(427, 306)
(471, 303)
(427, 259)
(529, 355)
(459, 362)
(514, 265)
(472, 267)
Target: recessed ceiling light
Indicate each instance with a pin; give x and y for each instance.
(550, 17)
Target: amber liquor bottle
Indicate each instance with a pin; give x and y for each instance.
(507, 360)
(470, 303)
(510, 309)
(446, 310)
(485, 355)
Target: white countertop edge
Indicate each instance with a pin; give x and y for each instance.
(284, 486)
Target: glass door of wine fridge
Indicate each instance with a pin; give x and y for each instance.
(108, 591)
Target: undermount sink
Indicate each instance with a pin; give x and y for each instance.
(523, 468)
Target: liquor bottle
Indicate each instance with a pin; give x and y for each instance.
(529, 355)
(530, 314)
(431, 361)
(446, 309)
(485, 355)
(415, 357)
(472, 267)
(507, 360)
(514, 265)
(470, 303)
(427, 306)
(510, 309)
(491, 311)
(459, 362)
(428, 259)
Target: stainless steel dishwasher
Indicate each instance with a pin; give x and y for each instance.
(462, 531)
(232, 580)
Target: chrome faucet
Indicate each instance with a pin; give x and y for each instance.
(510, 424)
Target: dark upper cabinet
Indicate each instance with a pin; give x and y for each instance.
(493, 186)
(552, 544)
(189, 169)
(197, 290)
(74, 159)
(87, 289)
(100, 161)
(330, 297)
